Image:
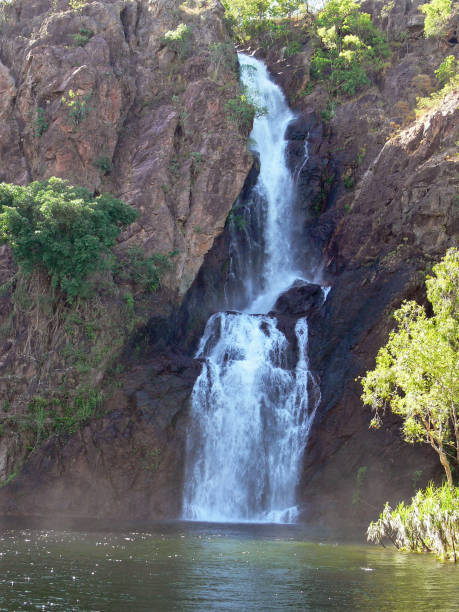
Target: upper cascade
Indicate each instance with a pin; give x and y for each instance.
(275, 186)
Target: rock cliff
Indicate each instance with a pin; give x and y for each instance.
(379, 203)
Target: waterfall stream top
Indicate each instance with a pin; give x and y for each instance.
(275, 183)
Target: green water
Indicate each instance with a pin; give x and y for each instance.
(186, 566)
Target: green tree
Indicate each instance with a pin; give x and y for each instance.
(178, 40)
(351, 48)
(61, 229)
(447, 70)
(250, 17)
(437, 14)
(416, 372)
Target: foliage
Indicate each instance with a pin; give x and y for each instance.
(143, 271)
(387, 8)
(41, 123)
(429, 524)
(82, 37)
(77, 105)
(62, 416)
(61, 229)
(242, 110)
(348, 180)
(178, 40)
(437, 14)
(416, 372)
(251, 18)
(351, 48)
(447, 70)
(77, 5)
(246, 15)
(222, 56)
(103, 164)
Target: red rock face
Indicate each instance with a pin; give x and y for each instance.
(158, 117)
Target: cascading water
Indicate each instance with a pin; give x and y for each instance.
(251, 411)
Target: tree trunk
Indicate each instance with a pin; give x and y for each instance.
(446, 466)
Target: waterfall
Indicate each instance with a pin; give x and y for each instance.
(251, 410)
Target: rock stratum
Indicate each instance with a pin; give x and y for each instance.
(379, 203)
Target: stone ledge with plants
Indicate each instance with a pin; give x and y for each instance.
(74, 302)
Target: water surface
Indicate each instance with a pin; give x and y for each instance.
(196, 566)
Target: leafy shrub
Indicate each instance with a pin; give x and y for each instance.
(143, 271)
(351, 48)
(348, 181)
(292, 47)
(223, 56)
(61, 229)
(41, 123)
(103, 164)
(437, 14)
(447, 70)
(447, 74)
(82, 37)
(77, 105)
(178, 40)
(251, 18)
(241, 111)
(416, 371)
(61, 416)
(77, 5)
(429, 524)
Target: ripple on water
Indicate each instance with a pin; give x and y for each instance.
(209, 567)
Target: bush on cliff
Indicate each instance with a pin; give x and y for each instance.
(263, 19)
(437, 14)
(61, 229)
(447, 75)
(351, 49)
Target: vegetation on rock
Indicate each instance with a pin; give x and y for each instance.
(61, 229)
(242, 111)
(447, 75)
(351, 48)
(416, 375)
(437, 14)
(263, 19)
(178, 40)
(77, 105)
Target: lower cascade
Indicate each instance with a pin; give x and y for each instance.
(251, 410)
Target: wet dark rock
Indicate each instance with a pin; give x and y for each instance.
(300, 300)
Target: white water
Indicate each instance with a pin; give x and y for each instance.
(251, 412)
(275, 183)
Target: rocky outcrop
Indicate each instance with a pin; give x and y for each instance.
(97, 96)
(128, 464)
